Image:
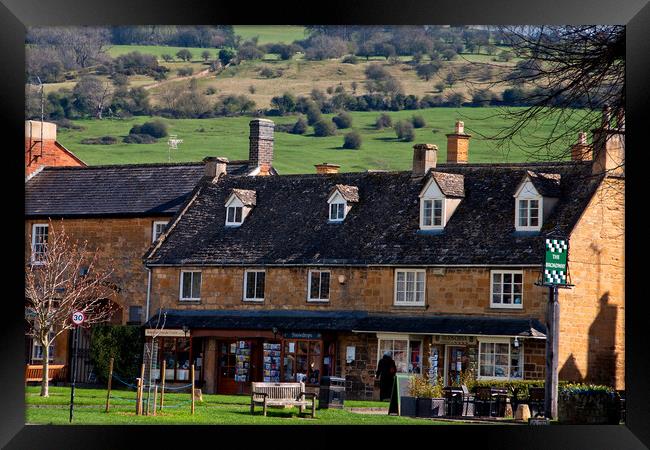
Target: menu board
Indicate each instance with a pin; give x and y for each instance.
(271, 362)
(242, 361)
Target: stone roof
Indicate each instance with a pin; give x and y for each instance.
(451, 184)
(289, 224)
(350, 320)
(349, 193)
(246, 196)
(547, 184)
(114, 190)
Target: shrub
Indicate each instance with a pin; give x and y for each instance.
(383, 121)
(166, 57)
(123, 343)
(404, 131)
(285, 103)
(184, 55)
(156, 129)
(231, 105)
(210, 91)
(104, 140)
(226, 55)
(300, 127)
(352, 140)
(350, 59)
(313, 113)
(455, 99)
(252, 89)
(324, 128)
(418, 122)
(139, 139)
(268, 72)
(68, 124)
(185, 71)
(342, 120)
(419, 386)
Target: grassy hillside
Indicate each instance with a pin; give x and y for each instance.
(271, 33)
(296, 153)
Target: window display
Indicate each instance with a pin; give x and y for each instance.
(302, 361)
(406, 354)
(242, 361)
(500, 360)
(271, 355)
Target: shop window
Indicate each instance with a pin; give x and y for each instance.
(409, 287)
(254, 285)
(176, 354)
(39, 242)
(302, 361)
(319, 286)
(500, 359)
(406, 353)
(507, 289)
(190, 285)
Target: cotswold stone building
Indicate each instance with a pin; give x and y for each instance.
(295, 277)
(119, 210)
(43, 150)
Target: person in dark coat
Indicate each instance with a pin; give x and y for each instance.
(386, 370)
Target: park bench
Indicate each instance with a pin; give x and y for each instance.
(34, 372)
(281, 394)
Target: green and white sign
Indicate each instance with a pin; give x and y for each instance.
(555, 263)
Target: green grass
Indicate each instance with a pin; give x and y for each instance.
(271, 33)
(215, 409)
(159, 50)
(297, 153)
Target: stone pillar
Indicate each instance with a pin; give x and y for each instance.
(458, 145)
(261, 143)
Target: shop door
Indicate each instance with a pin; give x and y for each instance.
(226, 362)
(456, 363)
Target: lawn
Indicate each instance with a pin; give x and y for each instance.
(229, 137)
(215, 409)
(266, 34)
(159, 50)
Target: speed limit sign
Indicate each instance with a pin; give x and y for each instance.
(78, 317)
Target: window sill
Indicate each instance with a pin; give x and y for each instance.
(188, 300)
(506, 307)
(418, 306)
(253, 300)
(318, 301)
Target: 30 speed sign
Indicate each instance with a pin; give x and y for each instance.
(78, 317)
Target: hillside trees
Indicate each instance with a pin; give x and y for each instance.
(92, 96)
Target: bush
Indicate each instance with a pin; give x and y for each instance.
(184, 55)
(226, 55)
(268, 72)
(166, 57)
(210, 91)
(419, 386)
(156, 129)
(383, 121)
(300, 127)
(124, 343)
(104, 140)
(352, 140)
(350, 59)
(404, 131)
(139, 139)
(418, 122)
(313, 113)
(342, 120)
(185, 71)
(324, 128)
(68, 124)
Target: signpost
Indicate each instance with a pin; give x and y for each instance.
(555, 275)
(77, 318)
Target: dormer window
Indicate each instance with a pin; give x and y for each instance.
(340, 201)
(238, 206)
(439, 199)
(534, 199)
(528, 213)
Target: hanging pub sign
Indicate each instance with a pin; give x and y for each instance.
(555, 262)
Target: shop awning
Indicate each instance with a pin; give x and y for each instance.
(356, 321)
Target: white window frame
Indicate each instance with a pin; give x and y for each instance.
(527, 192)
(424, 291)
(33, 258)
(401, 337)
(37, 344)
(234, 223)
(506, 305)
(154, 236)
(329, 287)
(443, 213)
(180, 295)
(256, 271)
(340, 206)
(498, 340)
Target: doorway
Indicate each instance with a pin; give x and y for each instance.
(226, 362)
(456, 362)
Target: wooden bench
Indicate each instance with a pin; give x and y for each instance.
(281, 394)
(34, 372)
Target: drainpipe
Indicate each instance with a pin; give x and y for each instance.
(148, 292)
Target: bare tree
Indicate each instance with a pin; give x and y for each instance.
(63, 277)
(93, 95)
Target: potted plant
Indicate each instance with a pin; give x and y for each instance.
(428, 396)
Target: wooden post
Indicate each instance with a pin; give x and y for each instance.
(155, 396)
(552, 348)
(192, 376)
(110, 382)
(162, 388)
(140, 405)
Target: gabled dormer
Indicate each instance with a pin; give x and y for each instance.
(340, 201)
(238, 206)
(439, 198)
(535, 198)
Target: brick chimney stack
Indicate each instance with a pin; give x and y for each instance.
(609, 146)
(260, 153)
(425, 157)
(458, 145)
(215, 166)
(327, 168)
(581, 151)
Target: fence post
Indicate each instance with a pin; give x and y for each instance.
(138, 392)
(155, 396)
(141, 389)
(162, 388)
(110, 382)
(192, 376)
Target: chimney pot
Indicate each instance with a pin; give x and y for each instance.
(33, 130)
(425, 157)
(260, 151)
(460, 127)
(581, 151)
(215, 166)
(327, 168)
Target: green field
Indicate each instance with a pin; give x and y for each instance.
(297, 153)
(271, 33)
(159, 50)
(215, 409)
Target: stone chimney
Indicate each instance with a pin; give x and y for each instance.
(260, 153)
(215, 166)
(327, 168)
(425, 157)
(581, 151)
(33, 131)
(609, 146)
(458, 145)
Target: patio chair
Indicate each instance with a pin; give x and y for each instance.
(536, 401)
(468, 401)
(483, 401)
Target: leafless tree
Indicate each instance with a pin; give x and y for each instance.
(61, 278)
(93, 95)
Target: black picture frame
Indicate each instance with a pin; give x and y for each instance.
(16, 15)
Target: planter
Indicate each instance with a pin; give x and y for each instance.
(423, 407)
(437, 407)
(408, 407)
(454, 406)
(589, 408)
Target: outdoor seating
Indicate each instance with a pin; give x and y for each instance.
(468, 401)
(34, 372)
(453, 401)
(500, 396)
(484, 402)
(281, 394)
(536, 400)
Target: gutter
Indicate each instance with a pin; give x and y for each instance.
(341, 264)
(148, 293)
(519, 336)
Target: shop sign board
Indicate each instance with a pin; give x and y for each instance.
(555, 262)
(164, 333)
(300, 335)
(454, 340)
(400, 389)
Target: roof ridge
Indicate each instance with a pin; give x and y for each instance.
(116, 166)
